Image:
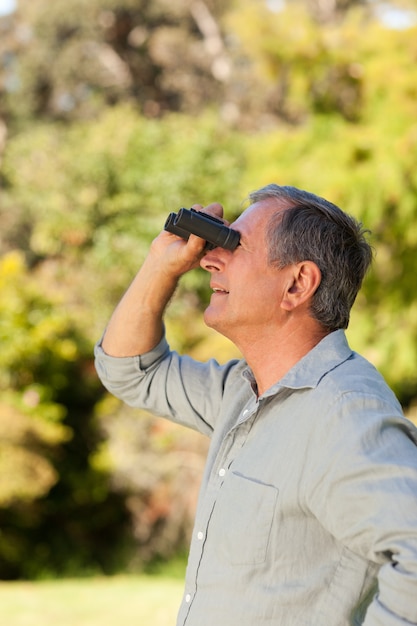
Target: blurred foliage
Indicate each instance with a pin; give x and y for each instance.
(29, 330)
(161, 55)
(51, 500)
(114, 113)
(84, 207)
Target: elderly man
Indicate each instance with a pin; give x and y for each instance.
(308, 506)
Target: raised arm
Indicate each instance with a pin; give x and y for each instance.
(136, 325)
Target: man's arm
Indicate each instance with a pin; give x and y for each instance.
(364, 492)
(136, 324)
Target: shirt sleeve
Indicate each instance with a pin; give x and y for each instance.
(364, 491)
(167, 384)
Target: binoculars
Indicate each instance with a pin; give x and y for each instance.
(216, 234)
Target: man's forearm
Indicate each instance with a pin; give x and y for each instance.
(136, 324)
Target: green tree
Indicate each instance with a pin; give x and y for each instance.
(52, 502)
(70, 60)
(93, 204)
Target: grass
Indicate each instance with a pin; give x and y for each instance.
(112, 601)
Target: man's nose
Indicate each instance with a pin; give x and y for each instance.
(214, 261)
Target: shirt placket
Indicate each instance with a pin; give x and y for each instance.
(228, 450)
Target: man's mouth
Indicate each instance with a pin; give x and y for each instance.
(218, 290)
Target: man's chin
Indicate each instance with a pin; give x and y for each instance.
(216, 322)
(212, 319)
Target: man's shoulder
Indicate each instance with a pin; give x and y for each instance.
(358, 374)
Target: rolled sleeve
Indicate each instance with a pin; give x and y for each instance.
(115, 371)
(167, 384)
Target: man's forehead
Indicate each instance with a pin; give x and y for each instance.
(263, 210)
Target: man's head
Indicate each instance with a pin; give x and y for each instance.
(313, 229)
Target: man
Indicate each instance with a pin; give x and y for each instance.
(308, 506)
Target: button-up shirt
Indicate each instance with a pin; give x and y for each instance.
(307, 512)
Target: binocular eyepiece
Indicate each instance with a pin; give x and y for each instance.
(189, 221)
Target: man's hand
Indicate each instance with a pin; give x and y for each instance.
(174, 255)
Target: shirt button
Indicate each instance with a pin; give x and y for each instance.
(188, 598)
(222, 472)
(200, 535)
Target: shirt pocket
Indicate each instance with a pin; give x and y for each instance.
(242, 519)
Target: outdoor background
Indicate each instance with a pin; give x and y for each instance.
(114, 113)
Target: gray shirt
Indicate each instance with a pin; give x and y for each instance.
(308, 506)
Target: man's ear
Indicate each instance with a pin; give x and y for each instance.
(304, 281)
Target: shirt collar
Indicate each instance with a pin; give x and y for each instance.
(330, 352)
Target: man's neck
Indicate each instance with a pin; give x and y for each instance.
(272, 354)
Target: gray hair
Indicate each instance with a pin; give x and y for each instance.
(313, 229)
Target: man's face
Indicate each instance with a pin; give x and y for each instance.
(246, 290)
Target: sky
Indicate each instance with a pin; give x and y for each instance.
(7, 6)
(390, 15)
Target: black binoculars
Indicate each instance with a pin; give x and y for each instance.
(216, 234)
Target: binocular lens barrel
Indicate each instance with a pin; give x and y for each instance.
(188, 221)
(172, 228)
